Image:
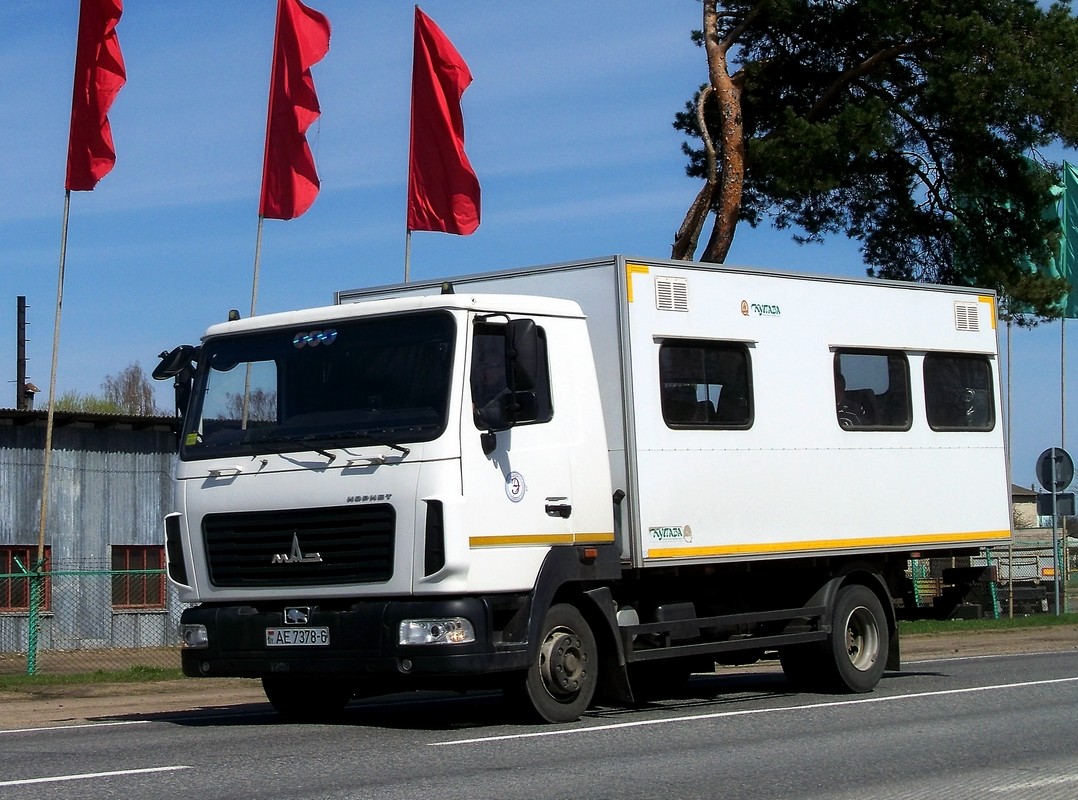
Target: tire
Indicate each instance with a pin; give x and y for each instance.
(859, 640)
(561, 683)
(306, 698)
(853, 657)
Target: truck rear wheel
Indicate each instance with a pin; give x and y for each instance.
(854, 655)
(560, 685)
(305, 698)
(859, 640)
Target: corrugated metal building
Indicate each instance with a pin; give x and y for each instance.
(109, 490)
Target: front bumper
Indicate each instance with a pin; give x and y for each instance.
(363, 640)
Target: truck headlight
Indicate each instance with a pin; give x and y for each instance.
(451, 630)
(194, 637)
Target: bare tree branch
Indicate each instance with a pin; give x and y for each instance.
(731, 133)
(689, 233)
(726, 162)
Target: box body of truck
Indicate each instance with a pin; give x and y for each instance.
(696, 463)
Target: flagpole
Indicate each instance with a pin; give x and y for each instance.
(1061, 553)
(411, 151)
(49, 422)
(254, 301)
(1010, 412)
(262, 192)
(258, 261)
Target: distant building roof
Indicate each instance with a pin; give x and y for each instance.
(39, 418)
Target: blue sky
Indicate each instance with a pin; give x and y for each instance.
(568, 125)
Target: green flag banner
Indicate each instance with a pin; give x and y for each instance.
(1068, 248)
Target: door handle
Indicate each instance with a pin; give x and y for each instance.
(563, 510)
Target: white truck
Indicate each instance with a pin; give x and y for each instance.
(601, 475)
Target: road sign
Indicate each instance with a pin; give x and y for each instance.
(1064, 505)
(1055, 469)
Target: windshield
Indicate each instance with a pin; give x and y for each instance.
(383, 380)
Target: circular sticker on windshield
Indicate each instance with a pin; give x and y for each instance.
(514, 487)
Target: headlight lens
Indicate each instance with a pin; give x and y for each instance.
(451, 630)
(194, 637)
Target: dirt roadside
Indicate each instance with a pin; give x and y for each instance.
(48, 706)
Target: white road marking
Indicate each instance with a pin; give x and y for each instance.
(984, 657)
(87, 775)
(78, 725)
(1034, 783)
(750, 711)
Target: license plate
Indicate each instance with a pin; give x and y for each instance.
(296, 637)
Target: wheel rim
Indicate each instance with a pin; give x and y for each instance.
(563, 663)
(862, 639)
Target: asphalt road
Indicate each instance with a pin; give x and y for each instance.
(989, 727)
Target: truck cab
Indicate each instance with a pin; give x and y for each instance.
(373, 490)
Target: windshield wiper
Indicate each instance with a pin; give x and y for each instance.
(334, 437)
(282, 437)
(365, 435)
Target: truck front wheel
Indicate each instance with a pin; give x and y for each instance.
(561, 682)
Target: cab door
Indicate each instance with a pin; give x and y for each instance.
(515, 446)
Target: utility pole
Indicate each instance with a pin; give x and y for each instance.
(21, 400)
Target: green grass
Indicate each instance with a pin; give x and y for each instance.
(136, 674)
(953, 625)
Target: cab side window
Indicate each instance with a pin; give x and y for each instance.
(492, 400)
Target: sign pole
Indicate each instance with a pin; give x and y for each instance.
(1055, 531)
(1055, 471)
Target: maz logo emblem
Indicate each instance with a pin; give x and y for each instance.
(296, 556)
(297, 615)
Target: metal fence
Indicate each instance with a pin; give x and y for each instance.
(78, 618)
(74, 620)
(1017, 580)
(1026, 574)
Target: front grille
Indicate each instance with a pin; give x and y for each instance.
(353, 544)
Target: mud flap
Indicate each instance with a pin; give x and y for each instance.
(894, 657)
(613, 669)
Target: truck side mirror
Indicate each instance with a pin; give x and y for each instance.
(179, 364)
(174, 361)
(522, 355)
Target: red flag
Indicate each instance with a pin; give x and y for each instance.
(443, 191)
(289, 180)
(99, 76)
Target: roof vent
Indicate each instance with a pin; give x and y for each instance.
(671, 294)
(965, 317)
